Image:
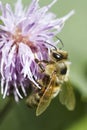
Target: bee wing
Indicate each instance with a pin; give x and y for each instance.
(46, 98)
(66, 96)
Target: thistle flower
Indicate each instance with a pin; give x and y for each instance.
(24, 34)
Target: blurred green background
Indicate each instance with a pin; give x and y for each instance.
(57, 117)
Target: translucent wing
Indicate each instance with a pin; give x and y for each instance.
(66, 96)
(46, 98)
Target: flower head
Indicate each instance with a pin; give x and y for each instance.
(24, 34)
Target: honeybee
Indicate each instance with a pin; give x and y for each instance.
(56, 73)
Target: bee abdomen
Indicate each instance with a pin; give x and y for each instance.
(33, 100)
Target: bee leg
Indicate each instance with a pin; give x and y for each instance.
(40, 64)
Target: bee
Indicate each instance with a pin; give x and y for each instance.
(56, 73)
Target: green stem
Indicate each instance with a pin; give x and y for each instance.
(4, 112)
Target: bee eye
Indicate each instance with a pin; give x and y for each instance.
(58, 56)
(64, 71)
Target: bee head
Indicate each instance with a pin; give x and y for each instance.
(59, 55)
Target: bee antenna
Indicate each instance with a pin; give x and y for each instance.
(60, 41)
(51, 45)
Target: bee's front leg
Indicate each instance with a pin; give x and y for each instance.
(41, 64)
